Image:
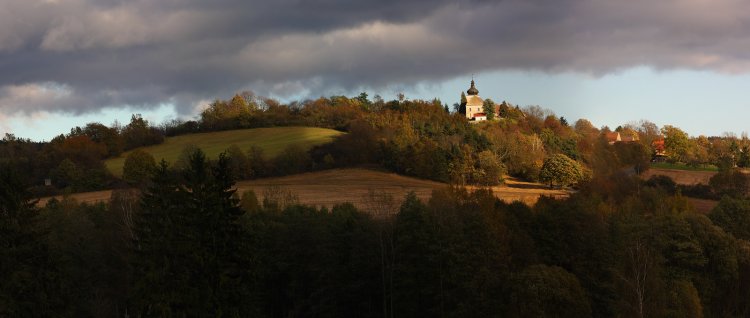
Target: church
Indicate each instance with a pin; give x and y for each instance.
(473, 106)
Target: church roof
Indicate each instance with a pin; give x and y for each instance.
(474, 100)
(472, 90)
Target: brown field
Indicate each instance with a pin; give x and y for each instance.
(329, 187)
(681, 176)
(703, 206)
(685, 177)
(87, 197)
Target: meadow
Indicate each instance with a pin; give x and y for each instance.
(271, 140)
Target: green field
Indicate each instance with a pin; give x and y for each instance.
(271, 140)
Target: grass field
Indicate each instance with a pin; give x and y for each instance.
(330, 187)
(271, 140)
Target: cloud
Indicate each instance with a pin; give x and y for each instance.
(79, 56)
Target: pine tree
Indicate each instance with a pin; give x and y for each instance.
(29, 282)
(462, 107)
(214, 213)
(161, 280)
(189, 247)
(489, 109)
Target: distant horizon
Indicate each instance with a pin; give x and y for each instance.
(562, 93)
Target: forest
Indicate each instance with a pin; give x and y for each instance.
(178, 241)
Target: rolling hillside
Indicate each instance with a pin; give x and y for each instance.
(329, 187)
(271, 140)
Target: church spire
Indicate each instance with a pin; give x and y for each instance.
(472, 90)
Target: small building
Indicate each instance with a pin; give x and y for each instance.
(474, 103)
(473, 107)
(659, 148)
(615, 137)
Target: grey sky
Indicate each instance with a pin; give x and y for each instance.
(79, 56)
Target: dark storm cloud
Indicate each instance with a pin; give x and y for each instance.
(81, 55)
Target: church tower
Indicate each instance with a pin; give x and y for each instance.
(473, 106)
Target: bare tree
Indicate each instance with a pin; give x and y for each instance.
(125, 202)
(639, 267)
(383, 207)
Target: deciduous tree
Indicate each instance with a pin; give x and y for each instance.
(676, 143)
(138, 167)
(558, 169)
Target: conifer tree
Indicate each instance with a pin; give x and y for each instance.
(189, 246)
(489, 109)
(213, 211)
(29, 282)
(160, 278)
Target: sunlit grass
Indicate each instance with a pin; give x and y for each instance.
(271, 140)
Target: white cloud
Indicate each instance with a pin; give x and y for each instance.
(33, 96)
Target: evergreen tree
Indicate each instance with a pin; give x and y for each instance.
(415, 278)
(189, 243)
(489, 109)
(213, 214)
(29, 281)
(462, 106)
(161, 279)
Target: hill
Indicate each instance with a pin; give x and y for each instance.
(329, 187)
(271, 140)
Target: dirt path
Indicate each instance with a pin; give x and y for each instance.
(330, 187)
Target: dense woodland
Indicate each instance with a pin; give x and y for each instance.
(176, 240)
(187, 246)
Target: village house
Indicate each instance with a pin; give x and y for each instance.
(660, 152)
(615, 137)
